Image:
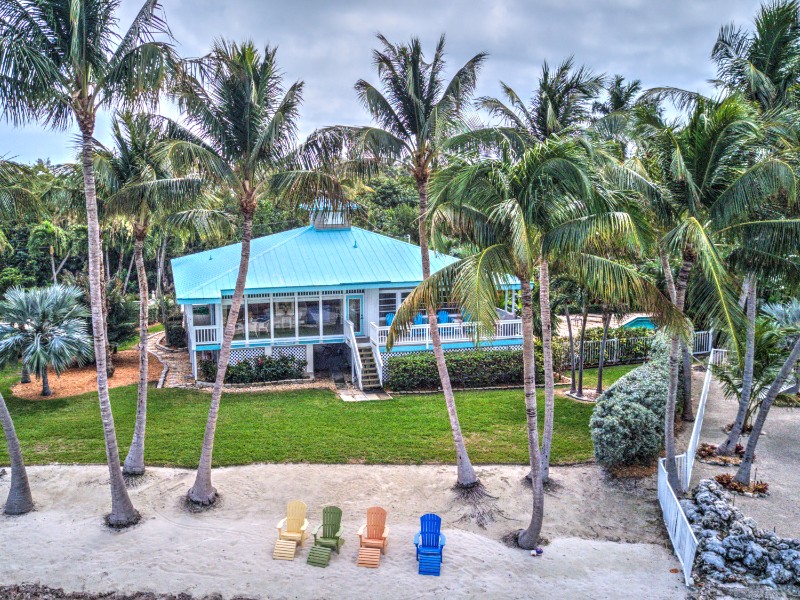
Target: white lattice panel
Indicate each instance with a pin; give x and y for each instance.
(248, 354)
(298, 352)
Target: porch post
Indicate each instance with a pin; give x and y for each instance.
(246, 322)
(296, 320)
(271, 319)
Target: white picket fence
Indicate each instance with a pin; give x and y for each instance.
(680, 532)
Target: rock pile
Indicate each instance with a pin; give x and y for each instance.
(732, 548)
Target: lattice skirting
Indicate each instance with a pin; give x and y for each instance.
(386, 355)
(298, 352)
(248, 354)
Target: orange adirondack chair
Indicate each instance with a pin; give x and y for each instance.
(293, 526)
(374, 534)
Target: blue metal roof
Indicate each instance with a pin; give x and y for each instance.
(303, 258)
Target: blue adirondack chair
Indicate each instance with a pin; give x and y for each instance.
(443, 317)
(389, 319)
(419, 319)
(430, 544)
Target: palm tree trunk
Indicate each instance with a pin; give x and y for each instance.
(53, 266)
(203, 492)
(571, 350)
(110, 368)
(547, 358)
(602, 358)
(128, 274)
(585, 317)
(687, 412)
(729, 445)
(529, 538)
(134, 462)
(162, 252)
(61, 264)
(19, 499)
(25, 376)
(46, 391)
(743, 474)
(681, 283)
(122, 514)
(466, 477)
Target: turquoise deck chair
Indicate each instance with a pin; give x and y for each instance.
(430, 543)
(443, 316)
(419, 319)
(389, 319)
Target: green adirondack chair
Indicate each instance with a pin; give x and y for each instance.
(331, 535)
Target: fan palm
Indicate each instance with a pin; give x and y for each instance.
(63, 61)
(242, 128)
(141, 188)
(416, 111)
(520, 214)
(47, 326)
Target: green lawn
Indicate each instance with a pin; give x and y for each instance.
(302, 426)
(132, 342)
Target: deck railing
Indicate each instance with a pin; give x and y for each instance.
(355, 357)
(702, 342)
(420, 335)
(206, 334)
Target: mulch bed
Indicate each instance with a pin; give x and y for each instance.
(80, 381)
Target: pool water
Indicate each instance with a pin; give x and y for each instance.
(644, 322)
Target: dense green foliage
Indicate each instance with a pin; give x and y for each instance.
(628, 419)
(263, 369)
(299, 426)
(468, 369)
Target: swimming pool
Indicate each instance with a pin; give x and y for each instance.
(644, 322)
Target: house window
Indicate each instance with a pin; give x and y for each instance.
(389, 302)
(238, 333)
(332, 322)
(284, 319)
(308, 317)
(202, 315)
(258, 319)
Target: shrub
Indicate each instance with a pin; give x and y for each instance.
(473, 368)
(174, 332)
(261, 370)
(628, 420)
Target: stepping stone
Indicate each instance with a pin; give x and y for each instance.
(369, 557)
(319, 556)
(284, 550)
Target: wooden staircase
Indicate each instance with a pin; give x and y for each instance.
(369, 370)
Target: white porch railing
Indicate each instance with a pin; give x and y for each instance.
(376, 354)
(355, 357)
(206, 334)
(420, 335)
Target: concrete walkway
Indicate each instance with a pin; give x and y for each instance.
(778, 463)
(179, 374)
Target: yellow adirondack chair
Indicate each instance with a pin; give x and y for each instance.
(293, 526)
(374, 533)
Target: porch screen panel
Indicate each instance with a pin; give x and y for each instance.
(238, 333)
(202, 315)
(284, 318)
(332, 317)
(258, 319)
(308, 317)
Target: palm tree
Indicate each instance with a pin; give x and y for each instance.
(141, 188)
(415, 113)
(560, 104)
(19, 499)
(764, 67)
(712, 187)
(517, 213)
(242, 127)
(48, 327)
(60, 61)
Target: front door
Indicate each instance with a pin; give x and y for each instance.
(355, 313)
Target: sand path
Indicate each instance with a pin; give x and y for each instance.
(607, 538)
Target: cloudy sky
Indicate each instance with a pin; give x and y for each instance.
(327, 44)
